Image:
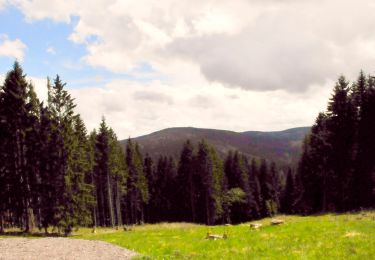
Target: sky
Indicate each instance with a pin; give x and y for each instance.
(148, 65)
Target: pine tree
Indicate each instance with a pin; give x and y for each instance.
(91, 177)
(210, 206)
(238, 174)
(82, 190)
(15, 116)
(68, 187)
(151, 208)
(267, 177)
(288, 198)
(341, 126)
(103, 177)
(119, 173)
(186, 192)
(363, 97)
(137, 187)
(3, 167)
(255, 188)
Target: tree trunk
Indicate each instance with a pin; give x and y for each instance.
(191, 194)
(208, 221)
(110, 201)
(118, 205)
(1, 223)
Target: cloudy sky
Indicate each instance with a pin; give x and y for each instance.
(229, 64)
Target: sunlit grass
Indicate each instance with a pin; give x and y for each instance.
(347, 236)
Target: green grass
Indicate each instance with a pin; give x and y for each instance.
(346, 236)
(315, 237)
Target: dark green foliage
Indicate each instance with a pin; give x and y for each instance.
(18, 117)
(289, 199)
(108, 176)
(238, 173)
(186, 192)
(337, 165)
(209, 206)
(72, 196)
(137, 186)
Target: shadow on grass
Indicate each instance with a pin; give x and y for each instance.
(34, 234)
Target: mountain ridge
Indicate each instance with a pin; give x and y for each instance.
(283, 147)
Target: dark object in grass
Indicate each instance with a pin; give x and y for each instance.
(128, 228)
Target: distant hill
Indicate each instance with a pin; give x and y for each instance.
(280, 146)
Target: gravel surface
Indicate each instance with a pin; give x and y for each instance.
(60, 248)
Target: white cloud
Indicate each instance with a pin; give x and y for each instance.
(51, 50)
(59, 11)
(40, 86)
(252, 44)
(11, 48)
(209, 106)
(238, 65)
(3, 3)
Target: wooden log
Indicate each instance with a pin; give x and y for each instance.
(216, 236)
(255, 226)
(277, 221)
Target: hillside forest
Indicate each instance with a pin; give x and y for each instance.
(53, 173)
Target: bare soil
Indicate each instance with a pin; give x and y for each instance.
(60, 248)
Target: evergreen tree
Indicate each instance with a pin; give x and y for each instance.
(103, 177)
(137, 187)
(288, 198)
(67, 173)
(15, 117)
(81, 189)
(255, 188)
(364, 178)
(209, 207)
(151, 208)
(237, 172)
(186, 192)
(268, 180)
(119, 173)
(341, 127)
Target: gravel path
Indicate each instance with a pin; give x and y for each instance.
(60, 248)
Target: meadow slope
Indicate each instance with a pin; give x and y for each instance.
(345, 236)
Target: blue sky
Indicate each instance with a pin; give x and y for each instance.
(147, 65)
(49, 51)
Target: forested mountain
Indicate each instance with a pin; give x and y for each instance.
(283, 147)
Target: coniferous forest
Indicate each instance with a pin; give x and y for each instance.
(53, 173)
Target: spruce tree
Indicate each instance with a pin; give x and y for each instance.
(15, 116)
(67, 177)
(137, 186)
(185, 179)
(103, 177)
(210, 205)
(341, 126)
(288, 197)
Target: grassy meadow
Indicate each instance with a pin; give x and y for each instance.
(349, 236)
(345, 236)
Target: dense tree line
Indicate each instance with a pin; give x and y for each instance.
(54, 174)
(202, 188)
(337, 168)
